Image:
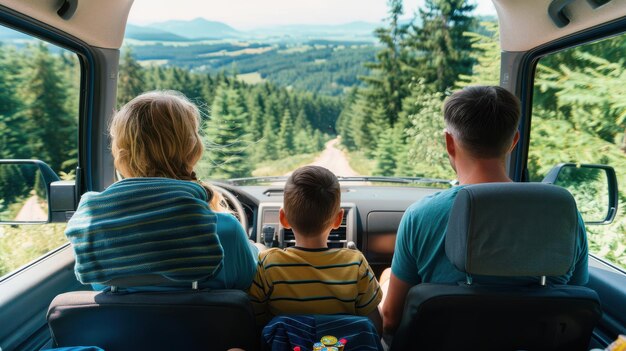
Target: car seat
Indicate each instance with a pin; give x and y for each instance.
(182, 319)
(499, 234)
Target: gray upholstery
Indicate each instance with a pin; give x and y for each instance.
(504, 230)
(172, 320)
(512, 229)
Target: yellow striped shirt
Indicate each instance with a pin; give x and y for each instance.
(313, 281)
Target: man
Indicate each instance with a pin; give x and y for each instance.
(481, 130)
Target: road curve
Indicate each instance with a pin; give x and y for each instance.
(335, 160)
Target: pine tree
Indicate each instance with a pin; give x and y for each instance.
(266, 147)
(385, 155)
(12, 186)
(387, 83)
(345, 125)
(13, 139)
(285, 144)
(425, 150)
(368, 123)
(301, 122)
(52, 130)
(486, 51)
(273, 111)
(255, 115)
(302, 141)
(319, 140)
(227, 136)
(443, 51)
(131, 80)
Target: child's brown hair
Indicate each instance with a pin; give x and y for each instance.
(312, 199)
(156, 134)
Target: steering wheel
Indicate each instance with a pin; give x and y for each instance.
(235, 205)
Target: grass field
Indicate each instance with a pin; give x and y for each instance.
(251, 78)
(360, 163)
(282, 166)
(20, 244)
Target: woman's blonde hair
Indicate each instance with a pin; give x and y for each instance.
(156, 134)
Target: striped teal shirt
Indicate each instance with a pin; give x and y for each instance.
(143, 226)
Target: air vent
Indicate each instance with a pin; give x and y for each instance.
(274, 192)
(336, 239)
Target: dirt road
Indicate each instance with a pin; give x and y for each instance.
(335, 160)
(31, 211)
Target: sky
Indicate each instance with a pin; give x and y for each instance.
(248, 14)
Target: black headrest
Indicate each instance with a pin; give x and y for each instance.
(145, 280)
(512, 229)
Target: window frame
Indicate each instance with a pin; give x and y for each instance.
(20, 23)
(525, 86)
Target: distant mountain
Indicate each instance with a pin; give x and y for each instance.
(198, 28)
(150, 34)
(352, 28)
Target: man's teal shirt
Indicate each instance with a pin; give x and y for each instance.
(420, 255)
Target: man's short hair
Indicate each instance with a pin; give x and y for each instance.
(483, 119)
(311, 200)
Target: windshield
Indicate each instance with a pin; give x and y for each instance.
(352, 86)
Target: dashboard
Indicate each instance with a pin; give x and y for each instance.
(371, 217)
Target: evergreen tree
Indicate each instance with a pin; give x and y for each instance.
(227, 136)
(486, 52)
(301, 122)
(12, 186)
(385, 155)
(345, 125)
(52, 129)
(131, 80)
(319, 140)
(368, 122)
(388, 81)
(255, 115)
(13, 139)
(303, 141)
(266, 147)
(426, 152)
(443, 51)
(273, 112)
(285, 143)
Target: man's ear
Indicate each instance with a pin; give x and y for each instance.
(515, 140)
(338, 219)
(450, 146)
(283, 219)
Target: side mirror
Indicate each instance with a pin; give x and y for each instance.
(593, 186)
(25, 191)
(31, 193)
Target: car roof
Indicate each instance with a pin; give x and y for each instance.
(524, 24)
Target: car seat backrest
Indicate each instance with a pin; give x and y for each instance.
(504, 230)
(512, 229)
(172, 320)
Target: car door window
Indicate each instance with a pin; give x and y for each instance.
(579, 116)
(39, 104)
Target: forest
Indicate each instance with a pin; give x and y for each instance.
(388, 119)
(321, 66)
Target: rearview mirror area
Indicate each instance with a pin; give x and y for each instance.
(594, 188)
(24, 191)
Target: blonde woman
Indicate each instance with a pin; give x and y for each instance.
(156, 144)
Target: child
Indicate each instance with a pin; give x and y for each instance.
(311, 278)
(156, 145)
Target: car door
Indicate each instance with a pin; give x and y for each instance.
(571, 92)
(56, 92)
